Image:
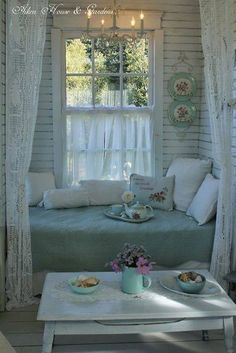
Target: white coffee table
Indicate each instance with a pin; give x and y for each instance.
(67, 313)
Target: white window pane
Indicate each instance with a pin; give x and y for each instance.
(107, 91)
(135, 57)
(106, 56)
(78, 56)
(78, 91)
(135, 91)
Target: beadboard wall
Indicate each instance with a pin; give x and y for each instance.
(2, 148)
(3, 107)
(42, 155)
(234, 94)
(181, 25)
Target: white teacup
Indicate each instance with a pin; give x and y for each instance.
(117, 209)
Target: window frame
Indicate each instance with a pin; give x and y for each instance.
(59, 100)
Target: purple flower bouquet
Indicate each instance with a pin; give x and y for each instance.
(132, 256)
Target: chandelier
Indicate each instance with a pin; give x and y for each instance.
(114, 32)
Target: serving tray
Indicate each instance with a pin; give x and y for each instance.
(123, 217)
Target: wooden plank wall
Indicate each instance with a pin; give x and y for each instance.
(42, 155)
(234, 94)
(181, 24)
(2, 149)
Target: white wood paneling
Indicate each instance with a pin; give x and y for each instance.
(181, 25)
(42, 155)
(2, 151)
(234, 95)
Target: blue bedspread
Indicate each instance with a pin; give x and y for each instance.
(84, 238)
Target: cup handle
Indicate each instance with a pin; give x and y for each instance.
(147, 281)
(150, 208)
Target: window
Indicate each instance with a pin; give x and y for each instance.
(109, 108)
(103, 143)
(100, 73)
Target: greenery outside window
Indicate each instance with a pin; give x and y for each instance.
(107, 74)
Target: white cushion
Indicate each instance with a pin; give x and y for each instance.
(189, 174)
(65, 198)
(154, 192)
(36, 184)
(203, 206)
(104, 192)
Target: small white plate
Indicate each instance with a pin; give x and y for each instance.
(169, 282)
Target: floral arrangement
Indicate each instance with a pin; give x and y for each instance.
(182, 114)
(159, 196)
(128, 196)
(183, 87)
(132, 256)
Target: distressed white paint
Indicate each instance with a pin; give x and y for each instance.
(163, 313)
(205, 146)
(181, 25)
(2, 151)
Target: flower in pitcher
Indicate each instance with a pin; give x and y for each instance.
(127, 196)
(115, 266)
(132, 256)
(143, 266)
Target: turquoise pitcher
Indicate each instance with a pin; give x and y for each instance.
(134, 282)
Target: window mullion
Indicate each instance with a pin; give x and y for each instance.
(121, 76)
(93, 75)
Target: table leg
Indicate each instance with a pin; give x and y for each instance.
(205, 336)
(48, 336)
(229, 333)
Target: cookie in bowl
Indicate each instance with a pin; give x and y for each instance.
(191, 282)
(84, 285)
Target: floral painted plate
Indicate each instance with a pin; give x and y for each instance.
(182, 114)
(182, 86)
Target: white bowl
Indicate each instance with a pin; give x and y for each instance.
(82, 290)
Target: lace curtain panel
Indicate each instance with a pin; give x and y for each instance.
(104, 145)
(217, 40)
(25, 43)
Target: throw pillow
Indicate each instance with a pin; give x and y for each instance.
(203, 206)
(154, 192)
(65, 198)
(36, 184)
(189, 174)
(104, 192)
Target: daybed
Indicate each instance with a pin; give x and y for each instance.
(84, 238)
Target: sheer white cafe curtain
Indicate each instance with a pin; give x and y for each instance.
(217, 40)
(108, 145)
(25, 44)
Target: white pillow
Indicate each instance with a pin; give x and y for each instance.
(154, 192)
(36, 184)
(104, 192)
(203, 206)
(65, 198)
(189, 174)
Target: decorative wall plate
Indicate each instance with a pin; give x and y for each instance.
(182, 86)
(182, 114)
